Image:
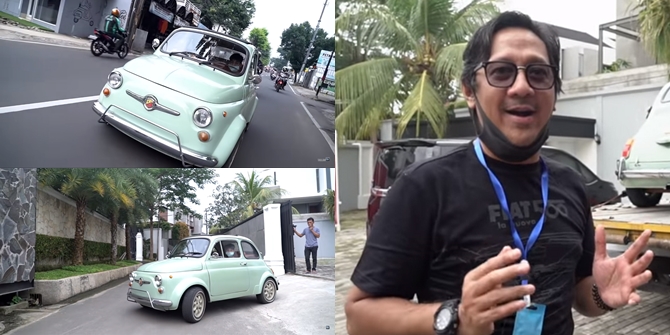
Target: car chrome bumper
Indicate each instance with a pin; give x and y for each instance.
(622, 173)
(161, 304)
(186, 156)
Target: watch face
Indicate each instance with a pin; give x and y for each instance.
(443, 319)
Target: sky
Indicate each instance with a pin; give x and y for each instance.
(297, 183)
(580, 15)
(276, 16)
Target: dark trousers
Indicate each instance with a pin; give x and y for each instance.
(118, 40)
(310, 250)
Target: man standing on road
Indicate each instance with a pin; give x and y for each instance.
(113, 28)
(311, 234)
(445, 229)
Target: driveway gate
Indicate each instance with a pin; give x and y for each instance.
(288, 249)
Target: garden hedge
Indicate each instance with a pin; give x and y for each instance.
(52, 249)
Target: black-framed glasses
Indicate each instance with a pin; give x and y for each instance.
(503, 74)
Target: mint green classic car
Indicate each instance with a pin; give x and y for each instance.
(191, 99)
(644, 166)
(200, 270)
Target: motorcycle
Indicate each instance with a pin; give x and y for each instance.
(273, 76)
(279, 84)
(104, 43)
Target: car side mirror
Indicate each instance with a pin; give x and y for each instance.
(155, 43)
(257, 79)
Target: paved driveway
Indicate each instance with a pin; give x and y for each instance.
(652, 317)
(303, 306)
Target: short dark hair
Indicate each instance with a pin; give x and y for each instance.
(310, 219)
(237, 57)
(478, 49)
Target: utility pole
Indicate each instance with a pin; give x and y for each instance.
(325, 72)
(311, 43)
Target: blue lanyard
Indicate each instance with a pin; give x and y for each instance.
(500, 192)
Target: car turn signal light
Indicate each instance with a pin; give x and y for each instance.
(626, 148)
(203, 136)
(105, 91)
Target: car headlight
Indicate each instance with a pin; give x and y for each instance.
(158, 280)
(132, 276)
(115, 79)
(202, 117)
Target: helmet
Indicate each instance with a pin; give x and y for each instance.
(116, 12)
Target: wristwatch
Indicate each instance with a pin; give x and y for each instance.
(446, 318)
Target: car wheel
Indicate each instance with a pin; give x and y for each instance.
(641, 198)
(268, 293)
(193, 305)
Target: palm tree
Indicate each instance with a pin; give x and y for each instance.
(654, 22)
(423, 42)
(84, 186)
(120, 194)
(146, 189)
(329, 203)
(256, 191)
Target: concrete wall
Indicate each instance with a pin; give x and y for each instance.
(56, 215)
(18, 203)
(11, 7)
(327, 239)
(80, 17)
(355, 164)
(254, 230)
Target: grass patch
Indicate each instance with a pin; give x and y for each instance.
(22, 22)
(78, 270)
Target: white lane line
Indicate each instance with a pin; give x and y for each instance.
(291, 87)
(316, 124)
(43, 43)
(47, 104)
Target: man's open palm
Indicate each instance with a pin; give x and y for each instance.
(618, 278)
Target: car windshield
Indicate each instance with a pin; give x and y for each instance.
(190, 247)
(207, 50)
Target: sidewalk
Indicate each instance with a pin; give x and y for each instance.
(307, 93)
(19, 33)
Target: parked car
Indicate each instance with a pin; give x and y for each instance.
(200, 270)
(392, 157)
(644, 166)
(187, 100)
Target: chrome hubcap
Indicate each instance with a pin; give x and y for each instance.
(269, 290)
(198, 305)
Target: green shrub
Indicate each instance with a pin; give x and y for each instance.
(53, 252)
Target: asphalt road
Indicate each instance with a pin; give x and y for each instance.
(57, 133)
(303, 306)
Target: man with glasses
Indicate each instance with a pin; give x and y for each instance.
(492, 238)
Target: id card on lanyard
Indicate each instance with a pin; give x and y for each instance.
(529, 321)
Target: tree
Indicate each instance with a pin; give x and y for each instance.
(418, 61)
(175, 186)
(146, 189)
(329, 203)
(295, 40)
(181, 230)
(84, 186)
(119, 194)
(654, 22)
(259, 38)
(234, 15)
(278, 62)
(255, 191)
(228, 207)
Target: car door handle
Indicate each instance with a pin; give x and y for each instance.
(243, 263)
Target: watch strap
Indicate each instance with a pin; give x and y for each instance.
(452, 327)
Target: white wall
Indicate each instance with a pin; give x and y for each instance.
(273, 256)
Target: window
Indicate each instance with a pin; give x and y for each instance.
(572, 162)
(230, 249)
(217, 251)
(249, 251)
(47, 11)
(581, 64)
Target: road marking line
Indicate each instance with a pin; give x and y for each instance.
(316, 124)
(291, 87)
(47, 104)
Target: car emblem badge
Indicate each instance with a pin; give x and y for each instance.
(141, 282)
(149, 103)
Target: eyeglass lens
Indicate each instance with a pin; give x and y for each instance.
(503, 75)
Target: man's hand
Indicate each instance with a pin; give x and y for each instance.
(618, 278)
(485, 300)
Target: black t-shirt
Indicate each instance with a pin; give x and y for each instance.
(442, 218)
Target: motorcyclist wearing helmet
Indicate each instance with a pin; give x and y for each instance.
(113, 28)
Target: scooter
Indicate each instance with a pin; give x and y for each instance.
(104, 43)
(279, 84)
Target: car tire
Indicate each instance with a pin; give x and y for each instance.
(193, 305)
(641, 198)
(268, 292)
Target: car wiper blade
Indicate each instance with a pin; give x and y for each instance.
(182, 53)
